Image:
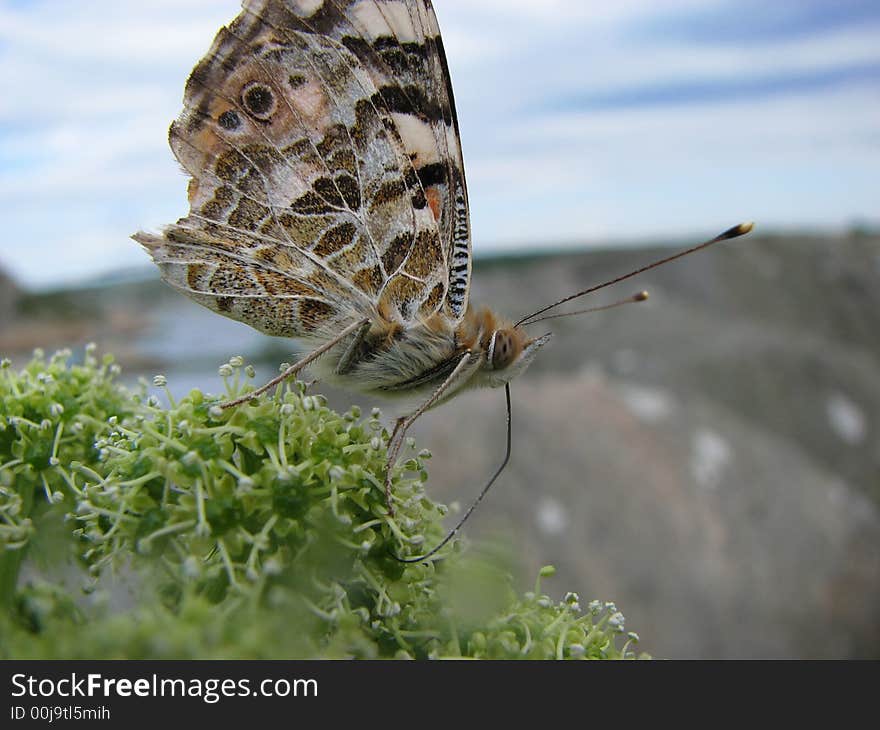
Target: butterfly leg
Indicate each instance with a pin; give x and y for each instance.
(460, 373)
(299, 365)
(350, 356)
(398, 424)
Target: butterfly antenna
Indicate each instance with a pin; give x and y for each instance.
(734, 232)
(642, 296)
(452, 533)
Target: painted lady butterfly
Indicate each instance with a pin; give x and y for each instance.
(328, 202)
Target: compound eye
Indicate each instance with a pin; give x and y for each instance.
(504, 352)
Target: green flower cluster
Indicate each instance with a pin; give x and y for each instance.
(257, 531)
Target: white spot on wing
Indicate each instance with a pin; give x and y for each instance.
(310, 101)
(306, 8)
(376, 19)
(418, 138)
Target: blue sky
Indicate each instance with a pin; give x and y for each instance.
(582, 122)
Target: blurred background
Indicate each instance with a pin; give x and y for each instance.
(710, 460)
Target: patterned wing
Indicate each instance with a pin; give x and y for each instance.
(320, 194)
(399, 44)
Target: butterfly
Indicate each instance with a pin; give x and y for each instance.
(328, 203)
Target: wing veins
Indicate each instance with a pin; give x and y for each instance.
(346, 283)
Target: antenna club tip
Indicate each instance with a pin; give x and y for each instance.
(734, 232)
(642, 296)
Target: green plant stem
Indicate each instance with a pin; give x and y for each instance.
(11, 560)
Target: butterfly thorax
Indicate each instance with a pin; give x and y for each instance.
(394, 361)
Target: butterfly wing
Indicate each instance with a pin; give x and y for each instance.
(324, 188)
(400, 46)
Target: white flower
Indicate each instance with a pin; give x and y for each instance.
(191, 567)
(160, 381)
(272, 567)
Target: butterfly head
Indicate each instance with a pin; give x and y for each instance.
(509, 351)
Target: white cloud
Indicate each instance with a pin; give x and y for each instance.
(612, 65)
(561, 13)
(805, 160)
(103, 31)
